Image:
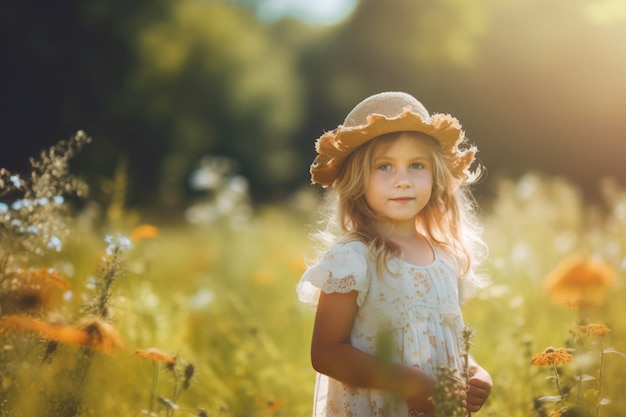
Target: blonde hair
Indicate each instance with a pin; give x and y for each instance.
(449, 220)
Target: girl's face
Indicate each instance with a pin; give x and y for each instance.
(401, 179)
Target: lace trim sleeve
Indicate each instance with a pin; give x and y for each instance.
(340, 285)
(343, 269)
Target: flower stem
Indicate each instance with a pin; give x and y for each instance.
(155, 380)
(558, 383)
(600, 372)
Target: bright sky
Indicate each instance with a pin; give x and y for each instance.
(315, 11)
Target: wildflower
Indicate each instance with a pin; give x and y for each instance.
(592, 329)
(270, 405)
(155, 355)
(555, 414)
(17, 182)
(101, 335)
(190, 369)
(91, 332)
(50, 277)
(55, 243)
(33, 290)
(552, 356)
(580, 282)
(59, 333)
(144, 231)
(449, 395)
(119, 243)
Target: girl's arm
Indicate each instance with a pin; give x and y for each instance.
(479, 388)
(332, 355)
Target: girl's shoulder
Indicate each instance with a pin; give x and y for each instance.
(350, 246)
(343, 268)
(346, 252)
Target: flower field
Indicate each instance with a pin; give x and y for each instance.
(109, 314)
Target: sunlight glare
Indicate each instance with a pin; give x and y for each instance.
(325, 12)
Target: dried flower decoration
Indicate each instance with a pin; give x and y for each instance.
(155, 355)
(580, 282)
(552, 356)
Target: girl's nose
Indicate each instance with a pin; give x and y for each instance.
(402, 179)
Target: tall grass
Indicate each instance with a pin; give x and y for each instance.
(208, 322)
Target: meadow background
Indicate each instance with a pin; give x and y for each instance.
(153, 270)
(216, 296)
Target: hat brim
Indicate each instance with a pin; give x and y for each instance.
(333, 147)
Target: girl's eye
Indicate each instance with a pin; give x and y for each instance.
(417, 165)
(384, 167)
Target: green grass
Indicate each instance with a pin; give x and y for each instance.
(223, 299)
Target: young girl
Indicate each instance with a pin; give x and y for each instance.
(402, 244)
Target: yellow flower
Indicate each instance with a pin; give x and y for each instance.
(580, 282)
(155, 355)
(144, 231)
(592, 329)
(552, 356)
(555, 414)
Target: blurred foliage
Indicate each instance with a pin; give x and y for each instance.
(213, 75)
(160, 84)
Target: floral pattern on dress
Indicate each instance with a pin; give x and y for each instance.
(416, 306)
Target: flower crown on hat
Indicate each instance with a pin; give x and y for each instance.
(385, 113)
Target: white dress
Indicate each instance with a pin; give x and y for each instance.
(416, 313)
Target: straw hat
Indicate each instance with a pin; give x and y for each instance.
(385, 113)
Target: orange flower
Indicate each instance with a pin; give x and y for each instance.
(144, 231)
(580, 282)
(155, 355)
(555, 414)
(91, 332)
(592, 329)
(59, 333)
(552, 356)
(33, 290)
(270, 405)
(50, 277)
(101, 335)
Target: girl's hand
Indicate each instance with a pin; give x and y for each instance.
(479, 388)
(421, 402)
